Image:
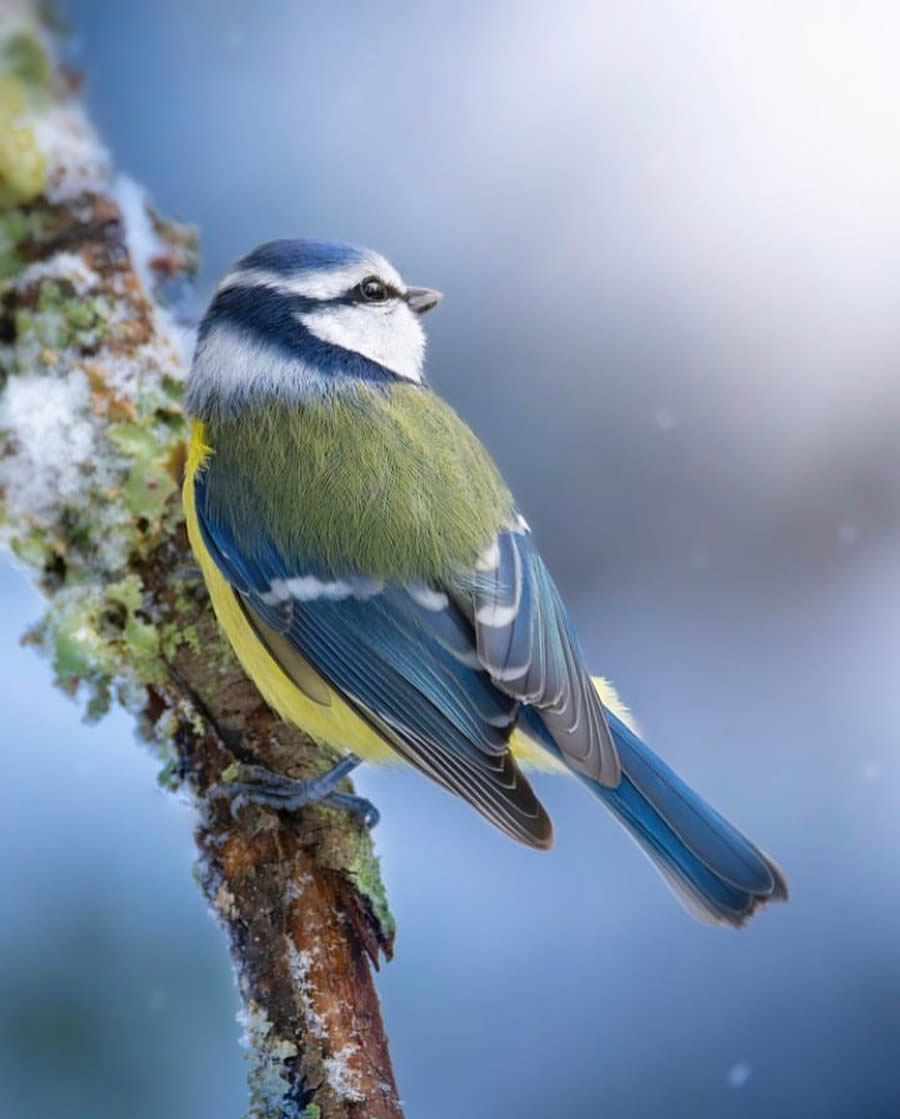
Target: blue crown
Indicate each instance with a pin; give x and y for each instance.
(288, 257)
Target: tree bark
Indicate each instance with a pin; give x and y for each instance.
(91, 445)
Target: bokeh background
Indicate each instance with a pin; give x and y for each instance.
(669, 238)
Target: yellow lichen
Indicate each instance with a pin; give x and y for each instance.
(23, 168)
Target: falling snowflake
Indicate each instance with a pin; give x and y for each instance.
(666, 420)
(739, 1074)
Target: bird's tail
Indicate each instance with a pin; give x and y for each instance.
(719, 875)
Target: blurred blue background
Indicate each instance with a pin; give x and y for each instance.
(669, 240)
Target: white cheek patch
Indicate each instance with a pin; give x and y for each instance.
(391, 335)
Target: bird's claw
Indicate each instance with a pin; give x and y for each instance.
(363, 810)
(258, 785)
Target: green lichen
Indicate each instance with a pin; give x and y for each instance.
(231, 772)
(23, 167)
(17, 228)
(364, 869)
(168, 777)
(311, 1111)
(269, 1078)
(34, 549)
(172, 635)
(140, 637)
(351, 851)
(98, 639)
(67, 319)
(176, 632)
(128, 592)
(149, 482)
(105, 638)
(62, 326)
(23, 57)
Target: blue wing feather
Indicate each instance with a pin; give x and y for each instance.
(410, 670)
(526, 641)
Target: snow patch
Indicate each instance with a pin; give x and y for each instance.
(56, 460)
(140, 236)
(67, 267)
(341, 1076)
(144, 244)
(300, 964)
(77, 163)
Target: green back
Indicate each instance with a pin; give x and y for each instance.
(389, 483)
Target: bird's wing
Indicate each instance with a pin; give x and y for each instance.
(526, 642)
(402, 655)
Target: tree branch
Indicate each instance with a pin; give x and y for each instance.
(91, 445)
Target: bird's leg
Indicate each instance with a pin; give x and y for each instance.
(259, 785)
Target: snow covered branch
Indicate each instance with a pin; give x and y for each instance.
(91, 447)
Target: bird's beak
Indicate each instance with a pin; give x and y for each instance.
(423, 299)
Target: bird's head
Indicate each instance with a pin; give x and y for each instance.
(298, 318)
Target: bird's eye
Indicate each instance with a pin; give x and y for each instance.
(373, 290)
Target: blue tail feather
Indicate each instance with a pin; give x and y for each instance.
(719, 874)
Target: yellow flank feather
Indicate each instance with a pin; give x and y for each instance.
(332, 723)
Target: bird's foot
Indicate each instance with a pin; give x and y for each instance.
(258, 785)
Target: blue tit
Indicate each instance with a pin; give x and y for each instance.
(377, 581)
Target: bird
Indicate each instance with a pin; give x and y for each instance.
(381, 587)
